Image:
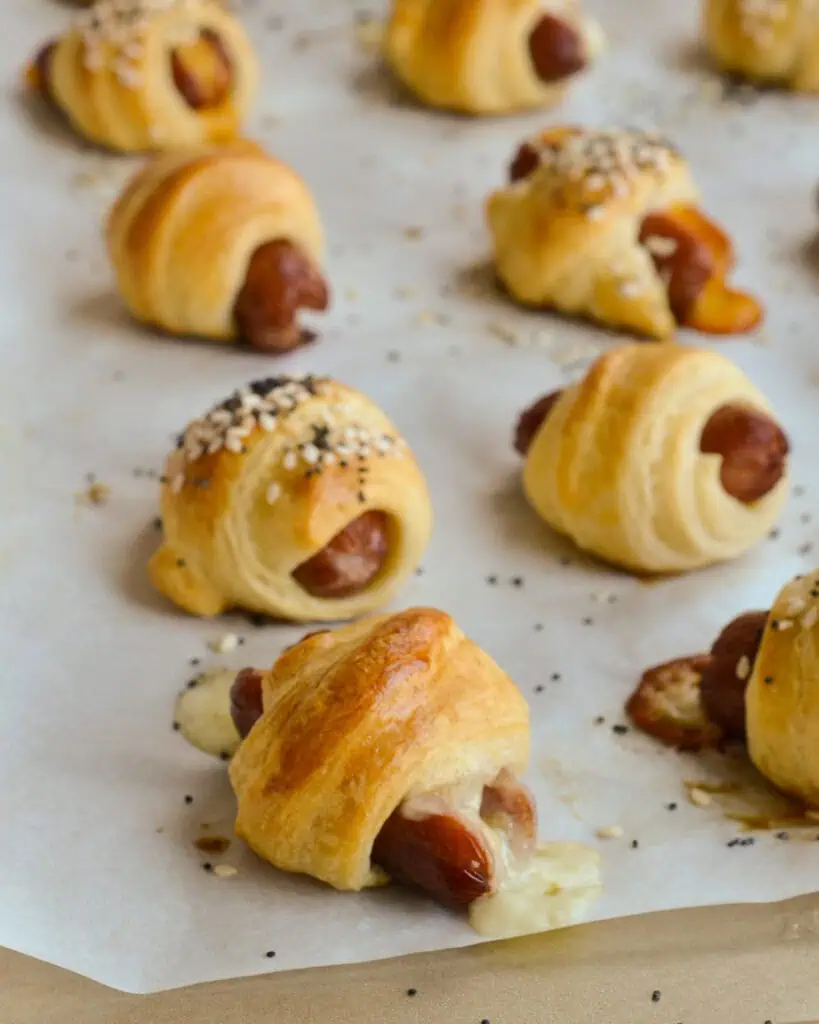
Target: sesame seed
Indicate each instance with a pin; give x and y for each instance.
(584, 170)
(225, 871)
(699, 797)
(273, 493)
(743, 669)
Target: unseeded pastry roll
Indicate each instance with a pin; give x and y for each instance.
(137, 75)
(489, 56)
(295, 498)
(663, 458)
(768, 41)
(391, 748)
(606, 225)
(224, 243)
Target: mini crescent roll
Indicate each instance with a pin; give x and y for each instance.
(295, 498)
(222, 243)
(661, 459)
(390, 747)
(137, 75)
(489, 56)
(769, 41)
(605, 225)
(782, 699)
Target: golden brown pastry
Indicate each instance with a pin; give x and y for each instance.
(605, 225)
(294, 498)
(768, 41)
(489, 56)
(224, 243)
(391, 747)
(136, 75)
(663, 458)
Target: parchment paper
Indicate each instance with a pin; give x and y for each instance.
(99, 872)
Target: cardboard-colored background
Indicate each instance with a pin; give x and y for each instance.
(732, 965)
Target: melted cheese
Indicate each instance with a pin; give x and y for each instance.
(536, 890)
(552, 889)
(203, 714)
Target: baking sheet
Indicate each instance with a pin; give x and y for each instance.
(99, 869)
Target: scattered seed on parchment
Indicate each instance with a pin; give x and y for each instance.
(95, 495)
(610, 832)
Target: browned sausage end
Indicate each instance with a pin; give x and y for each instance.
(557, 49)
(532, 419)
(281, 279)
(753, 447)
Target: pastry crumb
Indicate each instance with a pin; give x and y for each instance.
(413, 233)
(224, 644)
(610, 832)
(699, 797)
